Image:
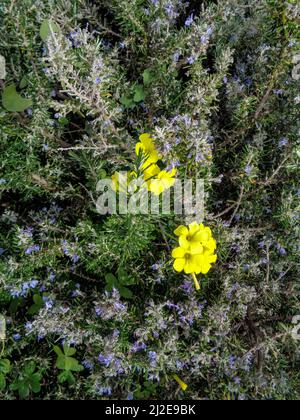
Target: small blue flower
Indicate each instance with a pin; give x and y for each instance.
(282, 251)
(204, 39)
(2, 251)
(248, 169)
(191, 60)
(104, 391)
(283, 142)
(176, 57)
(88, 365)
(28, 326)
(189, 20)
(138, 346)
(246, 267)
(33, 283)
(105, 360)
(31, 249)
(16, 337)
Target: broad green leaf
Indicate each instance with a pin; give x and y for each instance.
(61, 362)
(111, 279)
(24, 82)
(14, 102)
(148, 77)
(127, 102)
(47, 28)
(5, 366)
(139, 94)
(69, 351)
(58, 351)
(29, 368)
(66, 376)
(35, 382)
(38, 304)
(63, 377)
(124, 279)
(2, 382)
(72, 364)
(126, 293)
(23, 389)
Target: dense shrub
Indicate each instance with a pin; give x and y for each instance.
(216, 85)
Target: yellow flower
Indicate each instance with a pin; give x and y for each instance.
(163, 181)
(192, 263)
(196, 238)
(151, 172)
(147, 148)
(185, 261)
(196, 252)
(121, 180)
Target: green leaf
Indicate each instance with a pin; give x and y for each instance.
(23, 389)
(148, 77)
(47, 27)
(14, 102)
(111, 280)
(66, 376)
(2, 382)
(29, 368)
(35, 382)
(38, 304)
(126, 293)
(124, 279)
(72, 364)
(139, 94)
(24, 82)
(63, 121)
(127, 102)
(69, 351)
(61, 362)
(5, 366)
(58, 351)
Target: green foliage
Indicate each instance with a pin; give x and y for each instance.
(27, 381)
(67, 363)
(5, 368)
(214, 84)
(48, 27)
(14, 102)
(120, 282)
(37, 305)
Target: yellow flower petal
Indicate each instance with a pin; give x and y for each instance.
(178, 253)
(183, 242)
(196, 248)
(194, 227)
(144, 136)
(181, 230)
(179, 264)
